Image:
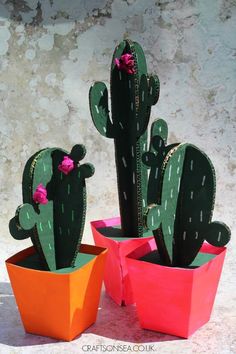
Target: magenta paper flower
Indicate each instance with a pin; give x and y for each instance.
(125, 63)
(40, 195)
(66, 165)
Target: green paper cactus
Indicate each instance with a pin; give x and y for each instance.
(133, 92)
(55, 224)
(181, 220)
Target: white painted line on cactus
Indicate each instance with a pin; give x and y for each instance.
(101, 93)
(137, 126)
(151, 90)
(171, 193)
(144, 202)
(177, 170)
(129, 83)
(132, 106)
(191, 195)
(165, 204)
(203, 180)
(121, 125)
(27, 214)
(72, 215)
(124, 162)
(40, 226)
(152, 220)
(49, 225)
(179, 158)
(125, 196)
(143, 95)
(156, 172)
(219, 236)
(68, 189)
(120, 76)
(68, 231)
(96, 107)
(170, 169)
(190, 219)
(50, 247)
(179, 184)
(191, 165)
(160, 143)
(144, 146)
(160, 129)
(169, 229)
(133, 178)
(104, 129)
(196, 235)
(184, 235)
(60, 230)
(132, 151)
(158, 212)
(44, 168)
(201, 216)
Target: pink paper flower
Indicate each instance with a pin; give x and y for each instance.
(40, 195)
(125, 63)
(66, 165)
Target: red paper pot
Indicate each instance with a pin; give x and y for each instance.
(171, 300)
(116, 277)
(58, 305)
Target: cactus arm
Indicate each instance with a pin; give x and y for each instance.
(159, 128)
(217, 234)
(16, 232)
(152, 217)
(154, 90)
(98, 102)
(86, 170)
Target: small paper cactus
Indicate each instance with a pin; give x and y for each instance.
(133, 92)
(182, 218)
(54, 205)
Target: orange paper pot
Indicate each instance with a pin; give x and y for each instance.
(54, 304)
(173, 300)
(116, 277)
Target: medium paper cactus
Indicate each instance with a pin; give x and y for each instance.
(54, 205)
(181, 218)
(133, 92)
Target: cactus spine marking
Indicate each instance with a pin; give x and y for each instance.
(132, 96)
(55, 228)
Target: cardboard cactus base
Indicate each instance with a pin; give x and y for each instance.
(116, 279)
(173, 300)
(60, 304)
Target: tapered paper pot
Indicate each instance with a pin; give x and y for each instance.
(58, 305)
(116, 277)
(175, 301)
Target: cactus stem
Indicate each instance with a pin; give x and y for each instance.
(219, 236)
(203, 180)
(201, 216)
(184, 235)
(125, 196)
(124, 162)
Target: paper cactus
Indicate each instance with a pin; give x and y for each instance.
(181, 220)
(55, 224)
(133, 92)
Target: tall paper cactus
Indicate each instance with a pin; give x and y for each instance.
(182, 219)
(133, 92)
(56, 226)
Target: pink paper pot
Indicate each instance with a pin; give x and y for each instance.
(116, 277)
(173, 300)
